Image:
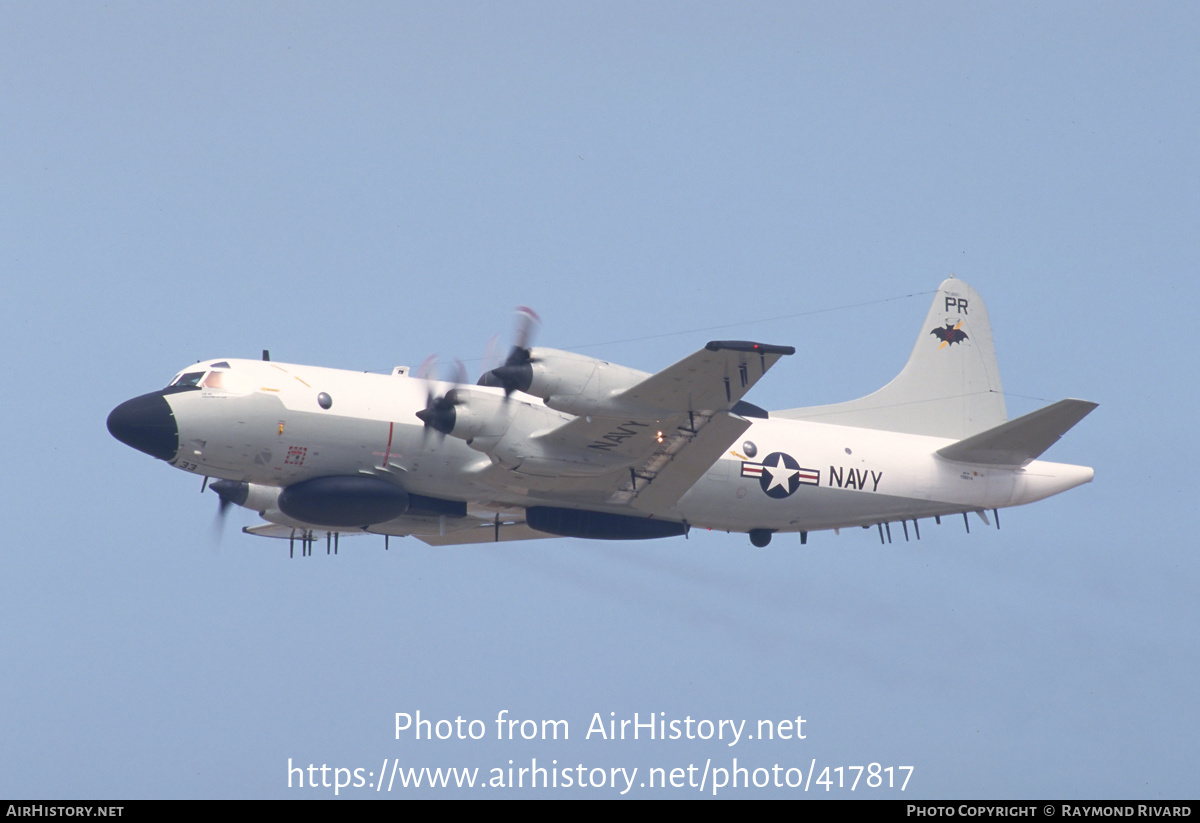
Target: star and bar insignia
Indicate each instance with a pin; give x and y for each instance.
(780, 475)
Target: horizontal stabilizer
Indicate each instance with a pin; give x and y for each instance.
(1022, 440)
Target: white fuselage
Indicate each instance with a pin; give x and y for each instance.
(275, 424)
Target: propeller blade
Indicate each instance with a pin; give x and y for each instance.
(527, 323)
(229, 493)
(492, 356)
(516, 374)
(427, 367)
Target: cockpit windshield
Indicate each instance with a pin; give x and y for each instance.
(218, 376)
(220, 380)
(186, 379)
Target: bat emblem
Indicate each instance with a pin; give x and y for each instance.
(950, 335)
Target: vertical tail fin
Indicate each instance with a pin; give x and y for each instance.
(950, 386)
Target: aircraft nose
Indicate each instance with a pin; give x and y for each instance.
(147, 424)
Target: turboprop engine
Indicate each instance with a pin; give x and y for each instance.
(492, 423)
(515, 433)
(467, 414)
(566, 381)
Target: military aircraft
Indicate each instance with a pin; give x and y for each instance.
(557, 443)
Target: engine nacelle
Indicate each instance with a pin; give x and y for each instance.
(487, 419)
(252, 496)
(566, 381)
(467, 414)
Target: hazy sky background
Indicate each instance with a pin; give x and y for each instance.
(360, 185)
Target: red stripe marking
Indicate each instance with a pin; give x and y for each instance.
(388, 452)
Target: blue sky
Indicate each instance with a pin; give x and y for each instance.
(360, 186)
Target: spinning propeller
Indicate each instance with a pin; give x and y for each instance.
(231, 493)
(438, 413)
(517, 372)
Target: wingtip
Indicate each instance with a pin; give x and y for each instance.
(749, 346)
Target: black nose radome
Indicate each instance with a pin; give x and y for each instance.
(147, 424)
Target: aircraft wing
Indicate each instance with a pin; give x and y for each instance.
(287, 532)
(458, 532)
(716, 377)
(680, 460)
(484, 533)
(666, 431)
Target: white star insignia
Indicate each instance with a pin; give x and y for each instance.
(781, 476)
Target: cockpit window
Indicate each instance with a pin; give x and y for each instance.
(189, 379)
(228, 382)
(219, 380)
(215, 380)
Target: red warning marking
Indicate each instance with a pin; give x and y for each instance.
(388, 452)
